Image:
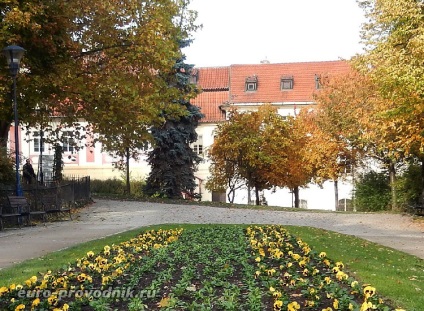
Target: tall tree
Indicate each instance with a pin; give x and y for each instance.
(394, 36)
(395, 51)
(260, 148)
(95, 61)
(238, 150)
(172, 160)
(329, 155)
(350, 113)
(286, 143)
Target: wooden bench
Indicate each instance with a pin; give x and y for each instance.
(9, 212)
(22, 206)
(52, 204)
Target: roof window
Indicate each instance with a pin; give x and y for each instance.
(286, 82)
(251, 84)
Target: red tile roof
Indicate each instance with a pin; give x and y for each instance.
(214, 78)
(227, 84)
(209, 103)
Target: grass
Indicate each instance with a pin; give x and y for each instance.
(397, 276)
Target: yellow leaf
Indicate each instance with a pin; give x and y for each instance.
(164, 302)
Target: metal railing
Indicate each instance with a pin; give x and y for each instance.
(72, 190)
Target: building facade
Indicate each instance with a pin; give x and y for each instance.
(287, 86)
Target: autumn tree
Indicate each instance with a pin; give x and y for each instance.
(394, 37)
(349, 113)
(262, 149)
(225, 173)
(236, 153)
(96, 61)
(328, 154)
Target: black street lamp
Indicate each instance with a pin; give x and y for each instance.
(13, 54)
(41, 145)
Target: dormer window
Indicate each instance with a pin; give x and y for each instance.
(286, 82)
(317, 82)
(251, 84)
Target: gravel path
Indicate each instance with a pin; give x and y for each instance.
(106, 217)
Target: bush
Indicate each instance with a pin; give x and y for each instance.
(7, 173)
(372, 192)
(409, 186)
(116, 187)
(108, 186)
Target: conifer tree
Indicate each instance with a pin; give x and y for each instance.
(173, 162)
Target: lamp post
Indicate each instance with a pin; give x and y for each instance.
(13, 54)
(40, 162)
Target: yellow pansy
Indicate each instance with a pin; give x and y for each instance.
(106, 249)
(293, 306)
(335, 304)
(369, 291)
(35, 302)
(278, 304)
(20, 307)
(52, 300)
(3, 290)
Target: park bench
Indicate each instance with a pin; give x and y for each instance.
(7, 211)
(20, 205)
(53, 205)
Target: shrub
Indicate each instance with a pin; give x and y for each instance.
(372, 192)
(409, 186)
(7, 174)
(114, 186)
(108, 186)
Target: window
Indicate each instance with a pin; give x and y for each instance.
(68, 141)
(251, 83)
(287, 83)
(198, 145)
(38, 143)
(317, 82)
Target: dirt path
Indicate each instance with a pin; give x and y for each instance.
(105, 217)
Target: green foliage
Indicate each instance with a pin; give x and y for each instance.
(108, 186)
(409, 186)
(114, 186)
(6, 168)
(372, 192)
(172, 160)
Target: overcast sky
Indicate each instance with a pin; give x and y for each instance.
(248, 31)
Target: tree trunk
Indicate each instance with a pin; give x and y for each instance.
(249, 196)
(392, 176)
(336, 194)
(231, 195)
(128, 190)
(257, 195)
(421, 199)
(296, 197)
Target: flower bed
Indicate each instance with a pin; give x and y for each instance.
(211, 268)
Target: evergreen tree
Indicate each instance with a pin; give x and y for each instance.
(172, 160)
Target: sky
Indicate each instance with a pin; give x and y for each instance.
(280, 31)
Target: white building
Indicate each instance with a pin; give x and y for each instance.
(288, 86)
